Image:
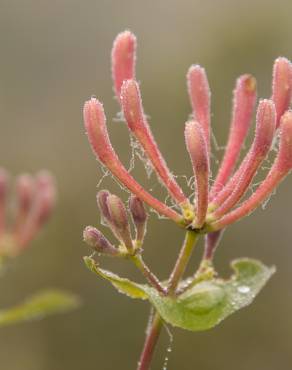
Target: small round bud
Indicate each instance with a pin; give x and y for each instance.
(98, 242)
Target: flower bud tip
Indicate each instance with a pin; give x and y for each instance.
(97, 241)
(123, 59)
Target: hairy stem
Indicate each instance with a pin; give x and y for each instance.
(156, 324)
(151, 278)
(182, 261)
(152, 336)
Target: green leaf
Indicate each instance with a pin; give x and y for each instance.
(209, 302)
(38, 306)
(205, 304)
(125, 286)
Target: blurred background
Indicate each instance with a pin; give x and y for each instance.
(54, 56)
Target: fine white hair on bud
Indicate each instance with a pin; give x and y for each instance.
(123, 59)
(282, 86)
(119, 220)
(98, 242)
(198, 151)
(139, 216)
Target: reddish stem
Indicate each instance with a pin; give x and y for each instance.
(156, 324)
(150, 343)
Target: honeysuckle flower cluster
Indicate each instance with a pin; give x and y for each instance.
(22, 216)
(32, 205)
(216, 203)
(203, 300)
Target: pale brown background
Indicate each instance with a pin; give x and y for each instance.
(53, 56)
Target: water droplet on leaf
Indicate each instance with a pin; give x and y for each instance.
(244, 289)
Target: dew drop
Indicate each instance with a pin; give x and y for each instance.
(244, 289)
(169, 348)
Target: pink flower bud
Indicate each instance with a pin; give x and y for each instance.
(41, 209)
(101, 198)
(45, 196)
(139, 216)
(98, 242)
(119, 220)
(279, 170)
(265, 129)
(199, 93)
(25, 189)
(243, 104)
(123, 59)
(282, 86)
(284, 157)
(211, 242)
(4, 177)
(95, 125)
(197, 148)
(133, 111)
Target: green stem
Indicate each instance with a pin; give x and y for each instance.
(156, 325)
(152, 279)
(182, 261)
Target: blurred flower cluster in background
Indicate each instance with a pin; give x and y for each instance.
(53, 54)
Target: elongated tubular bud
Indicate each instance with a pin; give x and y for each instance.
(211, 242)
(3, 194)
(95, 126)
(244, 98)
(198, 151)
(25, 190)
(279, 170)
(282, 86)
(133, 112)
(119, 220)
(230, 186)
(265, 129)
(41, 209)
(200, 96)
(233, 182)
(98, 242)
(139, 217)
(123, 60)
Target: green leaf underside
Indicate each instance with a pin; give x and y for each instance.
(38, 306)
(208, 302)
(125, 286)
